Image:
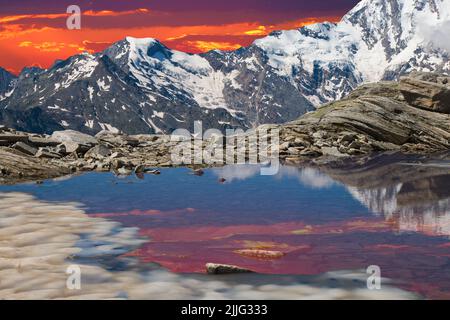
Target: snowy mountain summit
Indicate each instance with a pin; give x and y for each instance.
(377, 40)
(141, 86)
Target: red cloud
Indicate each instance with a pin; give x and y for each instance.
(31, 42)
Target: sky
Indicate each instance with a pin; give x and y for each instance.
(35, 33)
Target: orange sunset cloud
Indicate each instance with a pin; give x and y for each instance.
(38, 43)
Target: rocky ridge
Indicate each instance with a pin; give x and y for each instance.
(409, 116)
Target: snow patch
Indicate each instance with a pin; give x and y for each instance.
(108, 127)
(89, 124)
(158, 114)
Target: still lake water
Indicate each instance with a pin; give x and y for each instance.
(392, 213)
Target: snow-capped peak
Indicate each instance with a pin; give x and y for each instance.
(378, 39)
(142, 42)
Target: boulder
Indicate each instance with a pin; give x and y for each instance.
(87, 167)
(124, 171)
(117, 164)
(74, 136)
(74, 141)
(42, 142)
(116, 155)
(427, 91)
(117, 140)
(348, 137)
(285, 145)
(332, 152)
(107, 133)
(103, 165)
(11, 137)
(25, 148)
(60, 149)
(214, 268)
(198, 172)
(72, 147)
(140, 169)
(47, 154)
(98, 152)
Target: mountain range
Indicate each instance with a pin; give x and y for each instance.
(141, 86)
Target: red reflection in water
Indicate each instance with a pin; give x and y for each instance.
(417, 261)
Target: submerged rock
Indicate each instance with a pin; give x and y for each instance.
(140, 169)
(153, 171)
(198, 172)
(214, 268)
(260, 254)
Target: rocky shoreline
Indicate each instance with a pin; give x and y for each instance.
(411, 116)
(26, 156)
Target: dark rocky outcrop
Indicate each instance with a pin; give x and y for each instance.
(377, 117)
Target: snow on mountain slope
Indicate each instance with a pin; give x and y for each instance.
(378, 39)
(394, 34)
(77, 69)
(140, 85)
(166, 68)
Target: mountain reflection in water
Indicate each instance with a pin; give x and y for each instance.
(415, 196)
